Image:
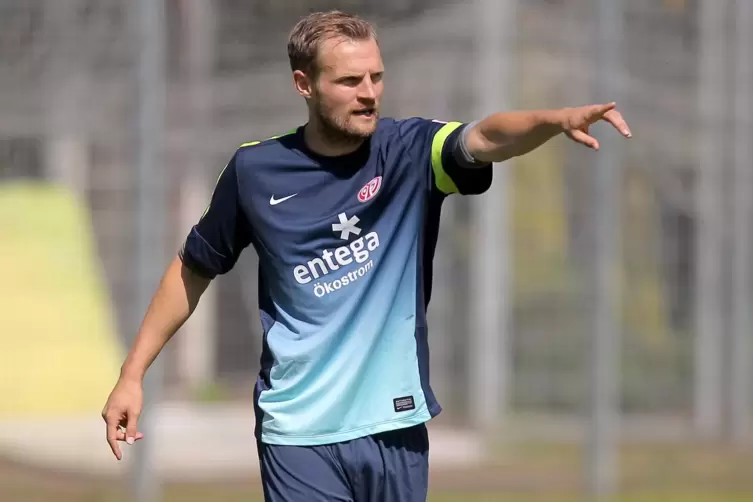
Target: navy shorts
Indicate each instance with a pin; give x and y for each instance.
(387, 467)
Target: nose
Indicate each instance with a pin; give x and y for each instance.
(367, 90)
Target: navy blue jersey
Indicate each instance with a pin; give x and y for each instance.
(345, 248)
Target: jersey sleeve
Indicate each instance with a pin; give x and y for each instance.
(450, 171)
(223, 231)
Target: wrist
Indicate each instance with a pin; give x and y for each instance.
(559, 119)
(556, 120)
(130, 373)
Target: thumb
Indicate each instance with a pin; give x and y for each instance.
(132, 433)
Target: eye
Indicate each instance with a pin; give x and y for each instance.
(377, 77)
(350, 81)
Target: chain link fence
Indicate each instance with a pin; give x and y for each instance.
(68, 78)
(68, 95)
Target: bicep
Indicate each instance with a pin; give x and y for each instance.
(194, 284)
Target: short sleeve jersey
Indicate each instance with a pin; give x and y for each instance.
(345, 248)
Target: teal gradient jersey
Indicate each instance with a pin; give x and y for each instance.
(345, 249)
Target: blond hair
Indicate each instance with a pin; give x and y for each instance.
(308, 34)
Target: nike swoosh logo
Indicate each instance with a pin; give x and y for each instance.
(274, 202)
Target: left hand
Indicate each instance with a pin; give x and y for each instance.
(576, 121)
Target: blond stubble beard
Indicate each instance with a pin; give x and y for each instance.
(338, 130)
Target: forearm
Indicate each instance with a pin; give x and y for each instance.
(502, 136)
(173, 303)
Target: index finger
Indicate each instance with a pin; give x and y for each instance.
(599, 110)
(615, 118)
(112, 437)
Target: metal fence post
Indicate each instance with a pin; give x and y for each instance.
(151, 215)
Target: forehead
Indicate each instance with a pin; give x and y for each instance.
(342, 55)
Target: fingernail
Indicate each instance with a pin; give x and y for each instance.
(130, 440)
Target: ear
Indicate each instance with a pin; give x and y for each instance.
(303, 84)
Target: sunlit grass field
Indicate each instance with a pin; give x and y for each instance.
(525, 473)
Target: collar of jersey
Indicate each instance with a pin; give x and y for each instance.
(348, 161)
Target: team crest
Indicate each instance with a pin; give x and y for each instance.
(370, 189)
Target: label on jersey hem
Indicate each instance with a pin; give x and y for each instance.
(404, 404)
(369, 430)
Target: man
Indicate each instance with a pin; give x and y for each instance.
(343, 213)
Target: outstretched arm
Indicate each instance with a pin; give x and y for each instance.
(502, 136)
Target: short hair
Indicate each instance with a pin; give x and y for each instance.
(308, 34)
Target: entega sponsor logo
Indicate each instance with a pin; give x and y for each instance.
(358, 252)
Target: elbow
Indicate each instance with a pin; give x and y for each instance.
(489, 144)
(485, 149)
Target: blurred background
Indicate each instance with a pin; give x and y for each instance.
(590, 325)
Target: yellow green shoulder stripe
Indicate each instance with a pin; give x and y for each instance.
(252, 143)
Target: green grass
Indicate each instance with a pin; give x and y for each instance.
(524, 473)
(226, 494)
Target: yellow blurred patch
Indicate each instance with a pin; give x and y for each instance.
(59, 353)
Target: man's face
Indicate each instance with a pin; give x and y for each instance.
(347, 92)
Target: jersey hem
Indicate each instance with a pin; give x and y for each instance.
(339, 437)
(435, 409)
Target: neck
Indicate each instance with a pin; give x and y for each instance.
(318, 140)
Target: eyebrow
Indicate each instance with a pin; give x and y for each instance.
(360, 75)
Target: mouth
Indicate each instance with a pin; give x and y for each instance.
(366, 113)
